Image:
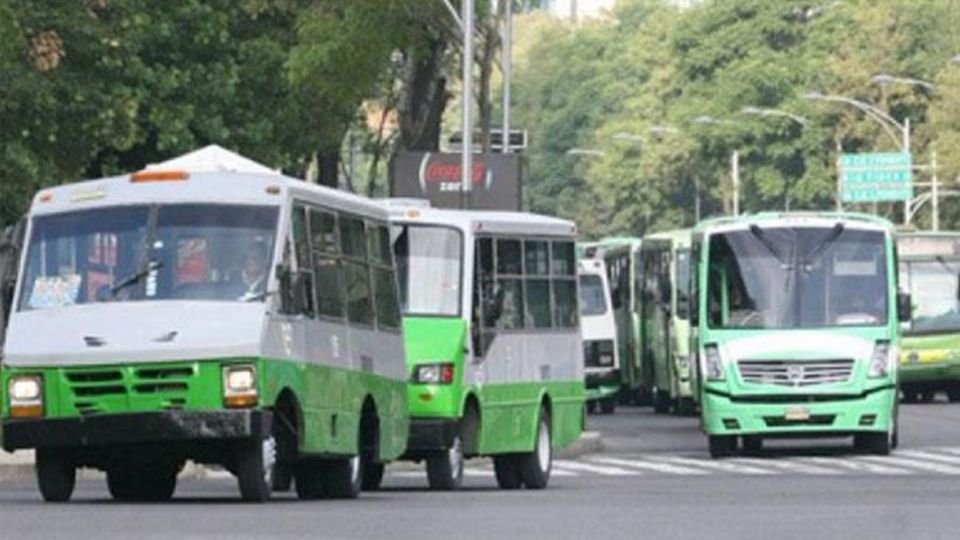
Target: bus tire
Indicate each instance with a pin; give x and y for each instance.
(752, 444)
(445, 468)
(953, 393)
(373, 476)
(56, 475)
(722, 446)
(506, 469)
(342, 478)
(927, 395)
(685, 407)
(307, 474)
(661, 401)
(535, 466)
(608, 405)
(874, 442)
(255, 461)
(129, 483)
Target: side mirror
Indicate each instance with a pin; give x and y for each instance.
(303, 293)
(904, 307)
(6, 297)
(694, 313)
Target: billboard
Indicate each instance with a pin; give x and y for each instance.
(496, 180)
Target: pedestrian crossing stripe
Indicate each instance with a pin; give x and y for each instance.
(936, 461)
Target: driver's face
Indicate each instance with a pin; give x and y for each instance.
(254, 264)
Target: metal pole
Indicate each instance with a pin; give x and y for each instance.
(906, 150)
(696, 200)
(839, 176)
(467, 112)
(935, 189)
(507, 64)
(735, 173)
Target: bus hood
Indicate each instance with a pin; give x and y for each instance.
(134, 332)
(801, 345)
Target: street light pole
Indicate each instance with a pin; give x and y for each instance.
(735, 174)
(507, 67)
(466, 156)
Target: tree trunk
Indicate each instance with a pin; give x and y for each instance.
(485, 117)
(421, 107)
(328, 169)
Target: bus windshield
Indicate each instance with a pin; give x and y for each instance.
(429, 269)
(797, 277)
(592, 300)
(933, 290)
(161, 252)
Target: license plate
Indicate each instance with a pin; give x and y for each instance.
(797, 413)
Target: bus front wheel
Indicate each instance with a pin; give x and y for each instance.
(535, 466)
(722, 446)
(445, 468)
(254, 469)
(56, 475)
(879, 443)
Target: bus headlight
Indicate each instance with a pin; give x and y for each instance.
(714, 364)
(25, 395)
(240, 385)
(439, 373)
(880, 361)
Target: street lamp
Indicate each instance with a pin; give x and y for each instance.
(764, 111)
(885, 78)
(585, 152)
(889, 124)
(734, 159)
(629, 137)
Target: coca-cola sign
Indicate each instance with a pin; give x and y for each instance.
(495, 180)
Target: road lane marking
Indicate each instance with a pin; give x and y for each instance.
(726, 466)
(856, 466)
(789, 466)
(647, 465)
(910, 463)
(930, 455)
(603, 470)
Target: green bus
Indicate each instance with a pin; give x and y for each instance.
(243, 319)
(492, 330)
(796, 328)
(622, 256)
(665, 309)
(930, 357)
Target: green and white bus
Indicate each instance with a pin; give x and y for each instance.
(930, 357)
(492, 335)
(625, 272)
(247, 320)
(665, 308)
(795, 327)
(601, 362)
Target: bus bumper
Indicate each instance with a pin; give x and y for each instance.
(135, 428)
(431, 434)
(930, 372)
(739, 415)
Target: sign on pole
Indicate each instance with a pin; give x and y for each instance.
(876, 177)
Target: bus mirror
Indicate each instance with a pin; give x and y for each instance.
(693, 312)
(6, 297)
(302, 293)
(904, 306)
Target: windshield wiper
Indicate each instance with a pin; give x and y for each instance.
(135, 277)
(762, 237)
(828, 241)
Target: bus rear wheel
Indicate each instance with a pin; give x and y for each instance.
(953, 393)
(722, 446)
(445, 468)
(56, 475)
(342, 478)
(535, 466)
(506, 469)
(608, 405)
(661, 401)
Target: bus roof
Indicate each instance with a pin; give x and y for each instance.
(867, 221)
(677, 237)
(476, 221)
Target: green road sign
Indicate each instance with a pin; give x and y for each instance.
(876, 177)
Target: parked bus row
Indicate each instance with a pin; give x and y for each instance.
(297, 336)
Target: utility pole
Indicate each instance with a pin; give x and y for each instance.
(466, 158)
(696, 199)
(735, 174)
(507, 67)
(906, 150)
(935, 193)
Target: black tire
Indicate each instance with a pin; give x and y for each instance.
(927, 395)
(953, 394)
(685, 407)
(140, 483)
(56, 475)
(535, 466)
(608, 405)
(342, 478)
(309, 479)
(282, 477)
(661, 401)
(591, 406)
(506, 469)
(910, 395)
(254, 469)
(878, 443)
(373, 476)
(752, 444)
(722, 446)
(445, 468)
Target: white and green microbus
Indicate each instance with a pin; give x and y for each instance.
(244, 319)
(492, 333)
(601, 360)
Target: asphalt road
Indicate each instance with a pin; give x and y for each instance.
(653, 480)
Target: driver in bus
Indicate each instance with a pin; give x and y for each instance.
(254, 272)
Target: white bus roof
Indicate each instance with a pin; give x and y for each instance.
(483, 221)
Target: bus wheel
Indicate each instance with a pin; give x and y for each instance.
(308, 475)
(722, 446)
(342, 478)
(753, 444)
(685, 407)
(927, 395)
(56, 475)
(130, 483)
(254, 469)
(661, 401)
(373, 476)
(879, 443)
(507, 470)
(535, 466)
(608, 405)
(445, 469)
(953, 393)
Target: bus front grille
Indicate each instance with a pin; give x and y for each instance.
(795, 373)
(102, 390)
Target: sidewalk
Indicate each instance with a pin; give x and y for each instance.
(18, 466)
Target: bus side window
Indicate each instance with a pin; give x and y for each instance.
(353, 245)
(536, 255)
(327, 270)
(509, 284)
(384, 277)
(563, 284)
(484, 305)
(297, 283)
